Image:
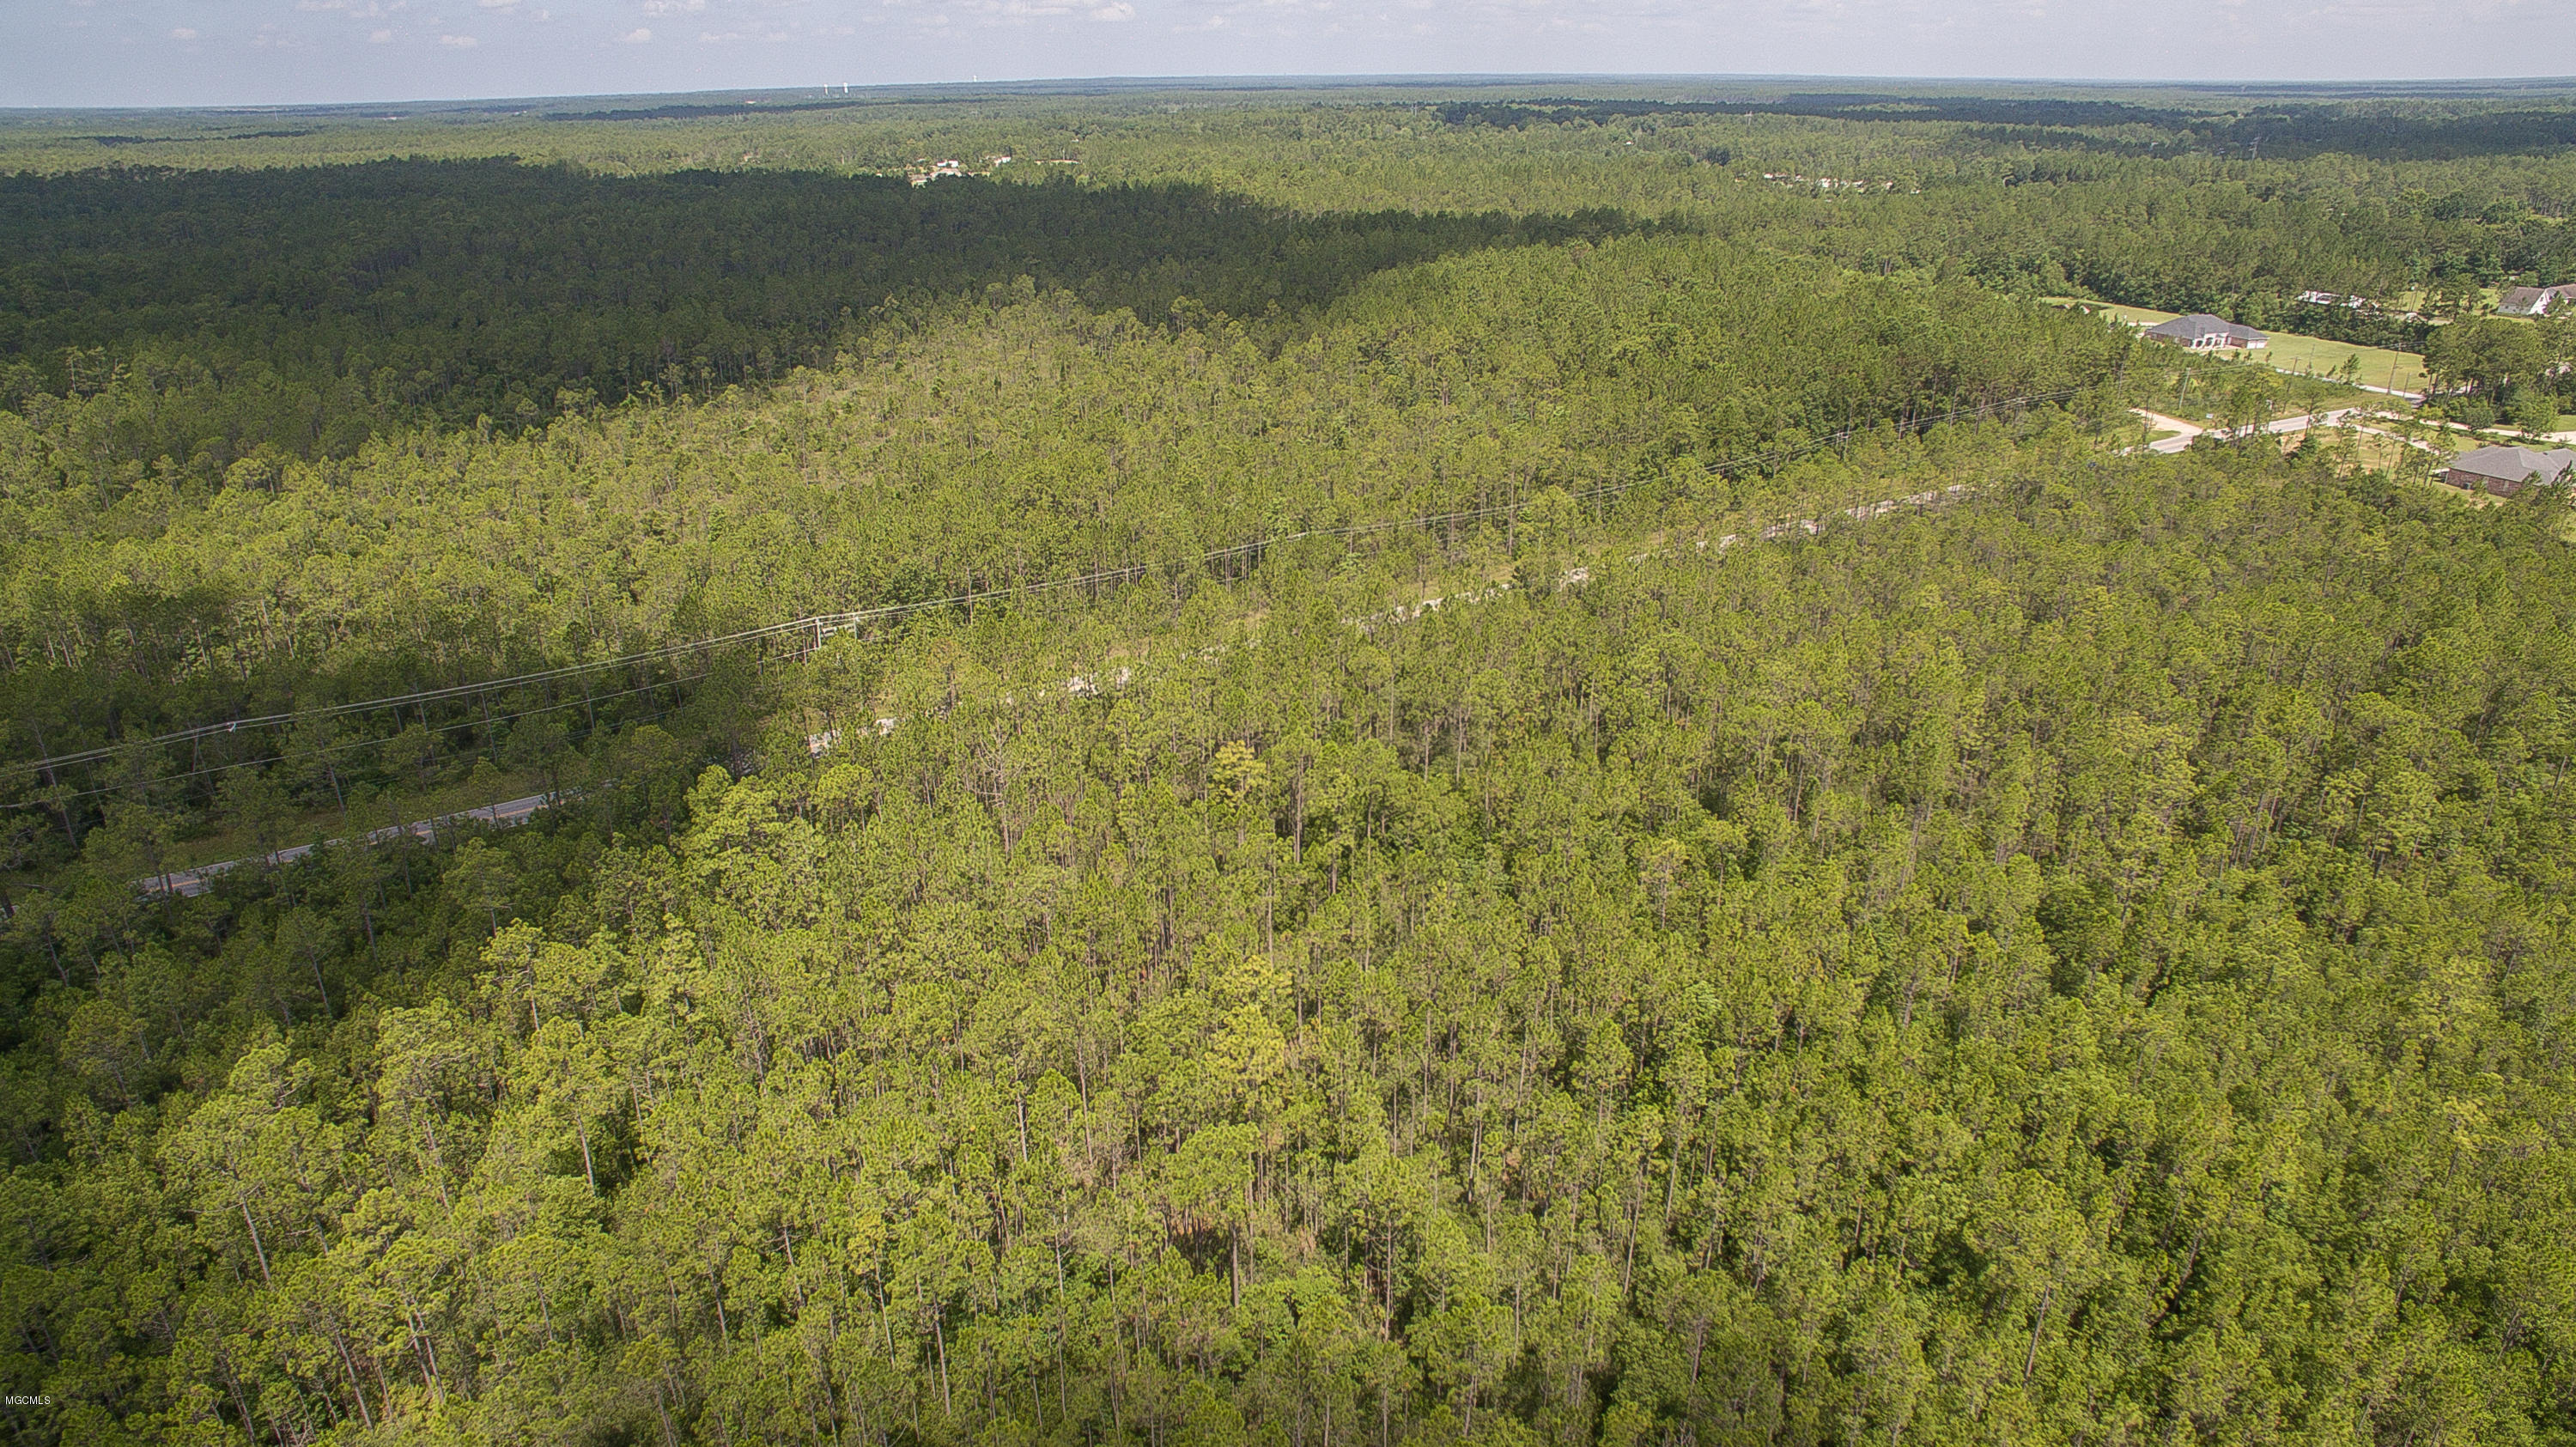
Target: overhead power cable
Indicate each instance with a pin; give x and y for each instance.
(837, 622)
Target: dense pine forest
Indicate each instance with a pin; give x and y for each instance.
(1494, 765)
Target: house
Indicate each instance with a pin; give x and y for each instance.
(2535, 301)
(2205, 333)
(2505, 471)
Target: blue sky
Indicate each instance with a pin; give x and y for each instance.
(244, 52)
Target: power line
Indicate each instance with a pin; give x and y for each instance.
(51, 799)
(826, 623)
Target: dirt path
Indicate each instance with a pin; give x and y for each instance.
(202, 878)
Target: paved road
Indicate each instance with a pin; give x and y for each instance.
(2190, 431)
(501, 815)
(2185, 433)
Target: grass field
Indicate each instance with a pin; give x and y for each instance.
(2290, 352)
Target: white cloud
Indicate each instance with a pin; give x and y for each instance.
(1118, 10)
(461, 42)
(380, 37)
(183, 33)
(637, 36)
(673, 7)
(496, 4)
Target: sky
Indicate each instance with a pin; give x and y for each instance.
(269, 52)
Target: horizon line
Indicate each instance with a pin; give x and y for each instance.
(1271, 81)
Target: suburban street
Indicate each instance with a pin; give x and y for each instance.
(2190, 432)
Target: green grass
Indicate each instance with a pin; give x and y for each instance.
(2293, 353)
(2316, 357)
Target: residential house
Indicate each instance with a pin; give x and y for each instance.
(2535, 301)
(2202, 332)
(2505, 471)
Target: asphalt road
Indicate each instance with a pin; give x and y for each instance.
(2190, 432)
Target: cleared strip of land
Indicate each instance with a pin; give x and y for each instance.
(498, 816)
(509, 812)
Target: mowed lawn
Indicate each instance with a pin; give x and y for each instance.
(2290, 352)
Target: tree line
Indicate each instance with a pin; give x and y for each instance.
(300, 312)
